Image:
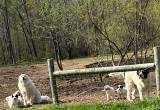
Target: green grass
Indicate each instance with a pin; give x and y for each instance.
(152, 104)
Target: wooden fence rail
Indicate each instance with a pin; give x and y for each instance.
(104, 70)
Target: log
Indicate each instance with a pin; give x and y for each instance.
(105, 70)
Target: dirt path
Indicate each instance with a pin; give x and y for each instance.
(37, 72)
(70, 90)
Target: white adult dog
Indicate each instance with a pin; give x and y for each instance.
(110, 92)
(135, 78)
(15, 100)
(121, 92)
(31, 95)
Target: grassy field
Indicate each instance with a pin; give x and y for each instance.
(151, 104)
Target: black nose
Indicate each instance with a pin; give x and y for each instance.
(16, 96)
(23, 78)
(121, 86)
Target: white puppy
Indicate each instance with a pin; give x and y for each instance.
(110, 92)
(121, 91)
(15, 100)
(135, 78)
(31, 95)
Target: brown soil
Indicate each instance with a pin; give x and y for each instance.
(75, 89)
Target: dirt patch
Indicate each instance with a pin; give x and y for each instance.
(75, 89)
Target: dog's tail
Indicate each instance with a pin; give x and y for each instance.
(45, 100)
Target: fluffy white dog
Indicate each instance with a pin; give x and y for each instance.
(31, 95)
(15, 100)
(110, 92)
(135, 78)
(121, 91)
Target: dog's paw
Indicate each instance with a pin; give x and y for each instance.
(131, 100)
(29, 105)
(133, 97)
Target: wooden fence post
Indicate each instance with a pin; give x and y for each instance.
(52, 81)
(157, 68)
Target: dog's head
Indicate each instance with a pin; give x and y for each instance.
(143, 73)
(23, 78)
(12, 101)
(119, 88)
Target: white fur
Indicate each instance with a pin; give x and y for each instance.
(132, 80)
(28, 90)
(14, 101)
(122, 92)
(45, 99)
(116, 74)
(110, 92)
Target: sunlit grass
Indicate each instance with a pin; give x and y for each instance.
(151, 104)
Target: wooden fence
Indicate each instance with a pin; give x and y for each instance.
(103, 70)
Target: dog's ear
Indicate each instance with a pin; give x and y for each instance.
(143, 73)
(146, 71)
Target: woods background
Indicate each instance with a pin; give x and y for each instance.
(34, 30)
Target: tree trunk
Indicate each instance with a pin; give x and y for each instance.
(23, 26)
(29, 29)
(2, 52)
(136, 33)
(8, 35)
(57, 50)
